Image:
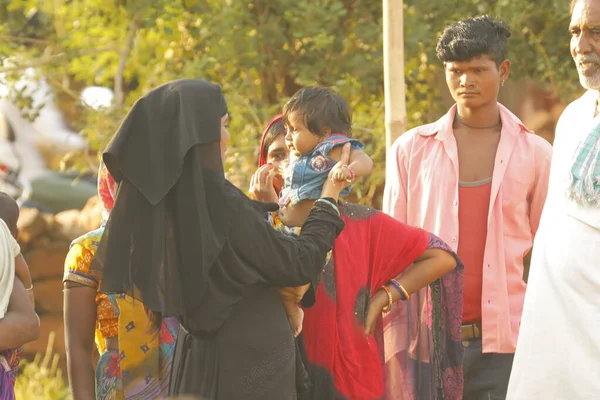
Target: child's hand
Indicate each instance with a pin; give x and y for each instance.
(333, 187)
(342, 173)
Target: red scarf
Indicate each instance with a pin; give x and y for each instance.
(262, 157)
(372, 249)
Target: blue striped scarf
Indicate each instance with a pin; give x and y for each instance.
(584, 187)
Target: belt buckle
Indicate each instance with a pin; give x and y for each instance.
(470, 332)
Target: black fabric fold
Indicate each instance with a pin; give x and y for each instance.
(170, 217)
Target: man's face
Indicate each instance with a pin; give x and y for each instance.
(475, 83)
(585, 42)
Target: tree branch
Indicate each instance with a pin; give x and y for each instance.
(118, 89)
(55, 57)
(19, 39)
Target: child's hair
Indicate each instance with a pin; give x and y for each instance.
(276, 129)
(473, 37)
(320, 108)
(9, 212)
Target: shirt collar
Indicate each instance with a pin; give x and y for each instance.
(442, 128)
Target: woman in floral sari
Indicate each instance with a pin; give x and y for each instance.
(135, 359)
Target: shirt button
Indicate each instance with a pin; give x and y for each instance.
(454, 238)
(455, 202)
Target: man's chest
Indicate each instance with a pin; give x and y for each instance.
(476, 157)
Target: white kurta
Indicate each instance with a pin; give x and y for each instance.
(558, 350)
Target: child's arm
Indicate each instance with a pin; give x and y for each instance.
(360, 164)
(22, 272)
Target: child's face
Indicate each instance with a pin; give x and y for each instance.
(299, 139)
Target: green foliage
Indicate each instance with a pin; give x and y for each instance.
(262, 51)
(42, 379)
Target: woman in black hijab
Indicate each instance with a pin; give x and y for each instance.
(187, 243)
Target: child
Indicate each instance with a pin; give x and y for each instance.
(319, 123)
(11, 264)
(9, 213)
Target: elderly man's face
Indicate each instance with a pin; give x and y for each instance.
(585, 42)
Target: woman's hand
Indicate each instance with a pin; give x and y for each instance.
(378, 302)
(262, 183)
(333, 186)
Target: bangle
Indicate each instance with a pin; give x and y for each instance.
(331, 200)
(388, 308)
(326, 207)
(403, 292)
(330, 204)
(29, 288)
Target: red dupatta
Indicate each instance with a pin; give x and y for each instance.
(262, 156)
(342, 361)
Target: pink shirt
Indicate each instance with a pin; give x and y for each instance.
(422, 190)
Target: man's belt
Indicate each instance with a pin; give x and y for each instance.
(471, 331)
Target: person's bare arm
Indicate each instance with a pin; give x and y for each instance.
(80, 322)
(21, 324)
(359, 162)
(429, 266)
(22, 272)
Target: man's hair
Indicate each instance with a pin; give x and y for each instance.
(473, 37)
(9, 212)
(320, 108)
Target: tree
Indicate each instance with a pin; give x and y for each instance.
(261, 52)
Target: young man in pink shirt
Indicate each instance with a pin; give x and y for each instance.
(477, 178)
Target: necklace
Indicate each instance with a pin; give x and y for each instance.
(459, 119)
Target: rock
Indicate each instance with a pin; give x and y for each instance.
(31, 224)
(68, 225)
(90, 217)
(49, 323)
(47, 260)
(48, 296)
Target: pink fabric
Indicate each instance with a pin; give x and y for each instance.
(422, 190)
(106, 190)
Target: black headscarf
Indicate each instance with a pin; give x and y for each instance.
(171, 213)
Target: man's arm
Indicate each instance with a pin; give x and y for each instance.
(396, 182)
(21, 324)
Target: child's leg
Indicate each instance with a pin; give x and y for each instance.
(294, 313)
